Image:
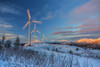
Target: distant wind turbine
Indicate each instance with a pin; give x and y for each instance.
(35, 32)
(29, 22)
(43, 38)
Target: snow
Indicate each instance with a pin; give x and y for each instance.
(85, 54)
(59, 54)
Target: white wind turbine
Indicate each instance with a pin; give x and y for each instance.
(29, 22)
(43, 38)
(35, 32)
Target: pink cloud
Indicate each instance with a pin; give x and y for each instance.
(91, 41)
(86, 25)
(56, 33)
(88, 9)
(59, 28)
(88, 15)
(96, 29)
(87, 20)
(62, 32)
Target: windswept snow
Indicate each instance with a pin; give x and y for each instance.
(47, 55)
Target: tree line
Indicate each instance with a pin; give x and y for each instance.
(7, 43)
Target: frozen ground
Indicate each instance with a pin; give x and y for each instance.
(52, 56)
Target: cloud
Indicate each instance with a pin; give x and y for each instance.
(87, 20)
(89, 30)
(22, 36)
(91, 41)
(81, 35)
(89, 9)
(63, 40)
(59, 28)
(59, 40)
(7, 26)
(10, 8)
(85, 26)
(12, 37)
(86, 14)
(92, 25)
(87, 17)
(6, 29)
(62, 32)
(8, 34)
(83, 20)
(83, 32)
(49, 15)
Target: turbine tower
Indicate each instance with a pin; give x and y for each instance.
(29, 22)
(35, 32)
(43, 38)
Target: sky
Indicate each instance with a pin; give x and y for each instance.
(66, 20)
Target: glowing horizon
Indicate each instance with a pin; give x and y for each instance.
(67, 20)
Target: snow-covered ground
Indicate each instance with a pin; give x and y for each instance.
(54, 56)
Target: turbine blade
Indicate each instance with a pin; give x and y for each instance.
(38, 31)
(33, 31)
(28, 13)
(25, 25)
(37, 22)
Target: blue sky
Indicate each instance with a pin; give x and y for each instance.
(61, 19)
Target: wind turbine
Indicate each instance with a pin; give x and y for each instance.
(29, 22)
(35, 32)
(43, 38)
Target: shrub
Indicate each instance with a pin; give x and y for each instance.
(0, 47)
(57, 50)
(77, 49)
(47, 48)
(8, 44)
(70, 52)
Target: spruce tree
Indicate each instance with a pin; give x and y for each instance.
(0, 45)
(17, 42)
(8, 44)
(3, 38)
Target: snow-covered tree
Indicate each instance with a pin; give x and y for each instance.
(0, 45)
(17, 42)
(8, 44)
(3, 38)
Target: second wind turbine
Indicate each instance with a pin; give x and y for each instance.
(35, 32)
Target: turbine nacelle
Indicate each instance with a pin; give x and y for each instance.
(35, 29)
(30, 20)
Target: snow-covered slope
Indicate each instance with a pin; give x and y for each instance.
(46, 55)
(84, 55)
